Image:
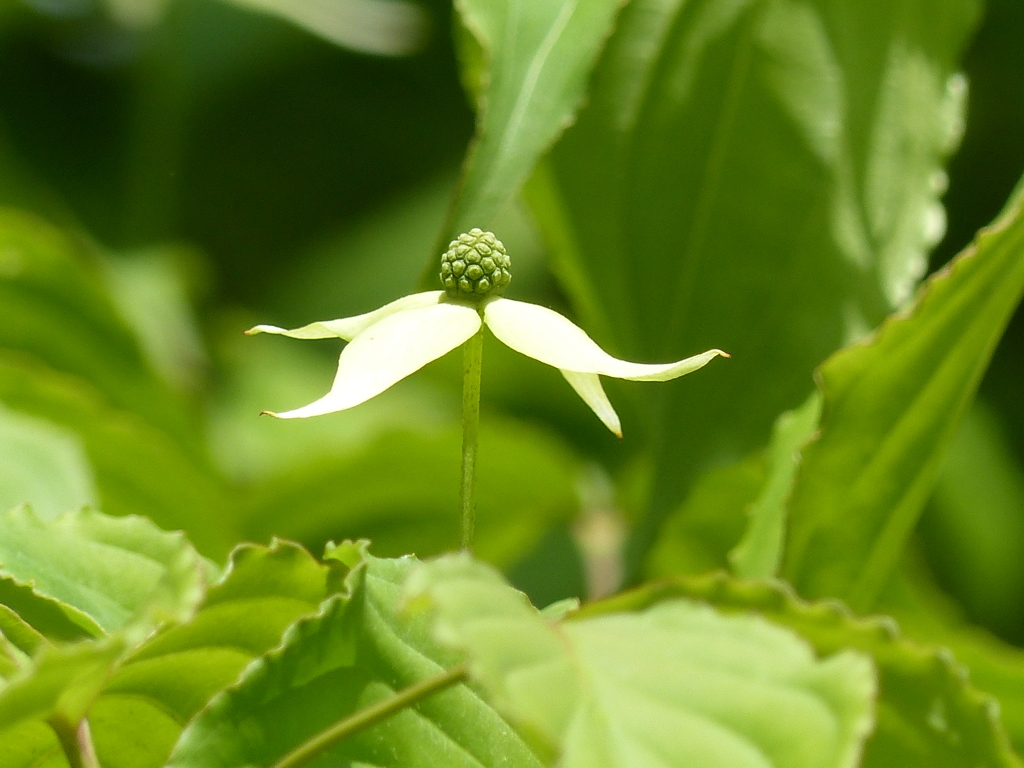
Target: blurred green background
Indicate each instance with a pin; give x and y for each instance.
(225, 167)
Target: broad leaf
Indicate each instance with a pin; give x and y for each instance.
(107, 573)
(527, 63)
(138, 469)
(168, 680)
(68, 357)
(973, 529)
(357, 650)
(891, 406)
(927, 615)
(29, 619)
(675, 685)
(119, 578)
(42, 464)
(760, 177)
(928, 715)
(162, 685)
(54, 307)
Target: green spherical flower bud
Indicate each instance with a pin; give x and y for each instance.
(475, 266)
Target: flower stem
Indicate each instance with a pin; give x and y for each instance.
(372, 715)
(472, 364)
(76, 741)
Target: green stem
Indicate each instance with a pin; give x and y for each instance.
(472, 364)
(76, 741)
(371, 716)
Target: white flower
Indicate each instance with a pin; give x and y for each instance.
(390, 343)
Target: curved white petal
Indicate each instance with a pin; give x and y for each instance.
(390, 350)
(588, 386)
(545, 335)
(348, 328)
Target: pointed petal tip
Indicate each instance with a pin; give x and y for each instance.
(263, 329)
(269, 413)
(721, 353)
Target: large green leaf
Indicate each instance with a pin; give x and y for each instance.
(119, 578)
(169, 679)
(761, 177)
(973, 528)
(68, 357)
(357, 650)
(108, 572)
(675, 685)
(891, 406)
(996, 667)
(138, 468)
(54, 307)
(163, 683)
(42, 464)
(928, 715)
(527, 63)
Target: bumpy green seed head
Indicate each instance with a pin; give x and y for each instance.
(475, 266)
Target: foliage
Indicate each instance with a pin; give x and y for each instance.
(764, 178)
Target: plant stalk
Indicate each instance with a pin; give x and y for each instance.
(472, 364)
(372, 715)
(76, 741)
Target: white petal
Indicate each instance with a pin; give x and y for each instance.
(588, 386)
(348, 328)
(390, 350)
(545, 335)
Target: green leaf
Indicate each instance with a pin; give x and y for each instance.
(389, 27)
(357, 650)
(109, 573)
(55, 308)
(759, 553)
(676, 684)
(171, 677)
(42, 464)
(891, 406)
(119, 578)
(67, 357)
(61, 683)
(928, 713)
(167, 680)
(138, 468)
(760, 177)
(973, 528)
(996, 667)
(151, 287)
(528, 65)
(699, 534)
(29, 619)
